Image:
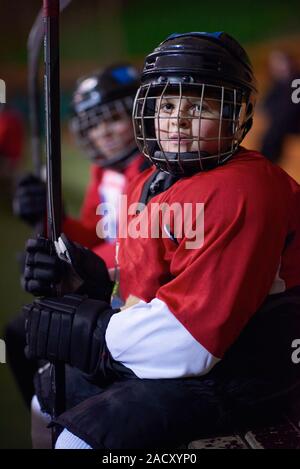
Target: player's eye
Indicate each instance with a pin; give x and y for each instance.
(208, 111)
(197, 107)
(115, 116)
(167, 107)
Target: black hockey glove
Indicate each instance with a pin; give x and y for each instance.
(66, 268)
(72, 329)
(30, 199)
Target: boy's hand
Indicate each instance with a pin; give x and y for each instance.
(30, 199)
(65, 268)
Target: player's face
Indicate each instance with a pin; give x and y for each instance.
(113, 134)
(189, 124)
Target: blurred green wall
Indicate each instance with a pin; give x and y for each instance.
(102, 29)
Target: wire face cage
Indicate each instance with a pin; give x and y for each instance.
(186, 128)
(87, 118)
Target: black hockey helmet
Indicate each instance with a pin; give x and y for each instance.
(103, 95)
(212, 66)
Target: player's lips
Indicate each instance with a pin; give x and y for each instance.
(179, 137)
(110, 144)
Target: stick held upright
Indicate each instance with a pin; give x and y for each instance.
(53, 152)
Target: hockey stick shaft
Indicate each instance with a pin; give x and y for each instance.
(52, 104)
(33, 52)
(34, 46)
(53, 151)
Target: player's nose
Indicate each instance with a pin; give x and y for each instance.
(103, 129)
(181, 121)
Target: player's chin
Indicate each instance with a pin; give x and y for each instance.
(111, 150)
(175, 147)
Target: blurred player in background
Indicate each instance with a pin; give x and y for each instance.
(283, 116)
(101, 121)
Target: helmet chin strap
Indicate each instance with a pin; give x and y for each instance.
(184, 155)
(170, 161)
(174, 158)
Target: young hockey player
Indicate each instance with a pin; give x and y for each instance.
(207, 340)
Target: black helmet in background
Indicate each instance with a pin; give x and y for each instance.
(214, 68)
(104, 96)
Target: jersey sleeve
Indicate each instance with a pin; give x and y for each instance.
(215, 287)
(83, 229)
(107, 252)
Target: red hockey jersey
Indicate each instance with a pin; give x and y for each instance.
(196, 301)
(105, 185)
